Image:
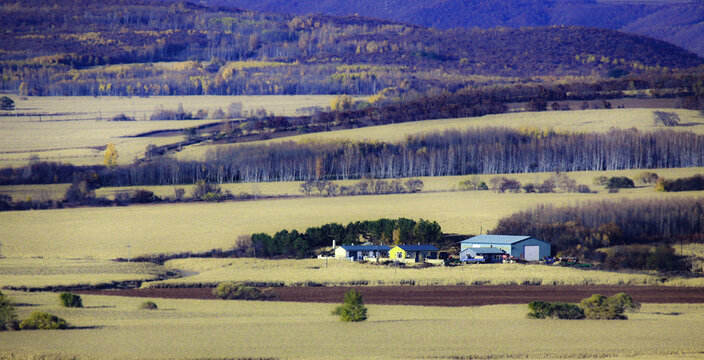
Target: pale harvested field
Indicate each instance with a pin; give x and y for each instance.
(71, 128)
(235, 329)
(293, 188)
(210, 272)
(104, 233)
(39, 273)
(579, 121)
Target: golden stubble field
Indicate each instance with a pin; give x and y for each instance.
(114, 328)
(210, 272)
(71, 129)
(576, 121)
(104, 233)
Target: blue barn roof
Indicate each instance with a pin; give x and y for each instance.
(497, 239)
(366, 247)
(418, 248)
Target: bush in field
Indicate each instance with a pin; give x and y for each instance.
(148, 305)
(8, 316)
(237, 291)
(560, 310)
(597, 307)
(646, 177)
(71, 300)
(619, 182)
(600, 307)
(353, 308)
(694, 183)
(122, 117)
(43, 321)
(142, 196)
(600, 180)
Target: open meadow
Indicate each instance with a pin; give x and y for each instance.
(77, 129)
(44, 273)
(293, 188)
(242, 329)
(575, 121)
(210, 272)
(104, 233)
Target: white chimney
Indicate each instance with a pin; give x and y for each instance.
(333, 244)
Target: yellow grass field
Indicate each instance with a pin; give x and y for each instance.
(293, 188)
(579, 121)
(341, 272)
(40, 273)
(104, 233)
(114, 328)
(71, 128)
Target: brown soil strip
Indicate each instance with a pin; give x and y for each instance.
(442, 295)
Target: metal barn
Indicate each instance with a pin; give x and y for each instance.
(523, 247)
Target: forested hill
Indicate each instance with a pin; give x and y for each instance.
(675, 21)
(53, 46)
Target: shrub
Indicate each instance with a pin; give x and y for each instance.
(353, 308)
(543, 310)
(584, 189)
(71, 300)
(600, 307)
(623, 302)
(6, 103)
(148, 305)
(646, 177)
(600, 180)
(122, 117)
(43, 321)
(694, 183)
(142, 196)
(237, 291)
(619, 182)
(8, 316)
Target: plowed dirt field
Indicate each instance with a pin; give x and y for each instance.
(442, 295)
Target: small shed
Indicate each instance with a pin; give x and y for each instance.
(417, 253)
(520, 246)
(489, 254)
(359, 252)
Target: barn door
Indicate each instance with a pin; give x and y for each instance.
(532, 253)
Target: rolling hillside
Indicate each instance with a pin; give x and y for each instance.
(70, 48)
(678, 22)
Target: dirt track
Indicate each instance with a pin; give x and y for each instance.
(442, 295)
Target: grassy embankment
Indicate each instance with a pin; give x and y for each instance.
(240, 329)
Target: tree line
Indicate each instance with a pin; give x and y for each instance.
(55, 50)
(581, 230)
(475, 151)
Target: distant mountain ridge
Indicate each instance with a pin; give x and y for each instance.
(678, 22)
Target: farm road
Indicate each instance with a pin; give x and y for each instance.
(442, 295)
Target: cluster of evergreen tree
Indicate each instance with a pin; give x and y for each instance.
(382, 231)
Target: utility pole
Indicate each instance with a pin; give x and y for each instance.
(128, 253)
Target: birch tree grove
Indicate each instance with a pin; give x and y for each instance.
(477, 151)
